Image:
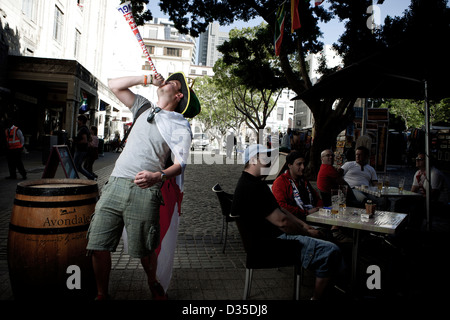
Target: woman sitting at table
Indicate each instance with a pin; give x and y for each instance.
(293, 192)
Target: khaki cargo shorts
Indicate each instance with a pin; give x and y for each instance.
(124, 204)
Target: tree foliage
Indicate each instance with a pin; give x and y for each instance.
(425, 18)
(218, 110)
(412, 112)
(193, 16)
(140, 12)
(255, 104)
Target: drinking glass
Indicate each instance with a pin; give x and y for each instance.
(380, 185)
(401, 184)
(342, 198)
(386, 182)
(335, 200)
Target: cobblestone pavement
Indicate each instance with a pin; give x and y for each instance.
(201, 270)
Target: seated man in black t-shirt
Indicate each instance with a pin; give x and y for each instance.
(260, 215)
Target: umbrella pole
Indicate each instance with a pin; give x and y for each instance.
(427, 157)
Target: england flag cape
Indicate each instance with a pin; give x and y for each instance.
(176, 131)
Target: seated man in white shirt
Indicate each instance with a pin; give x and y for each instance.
(359, 172)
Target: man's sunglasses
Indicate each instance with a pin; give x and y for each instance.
(152, 114)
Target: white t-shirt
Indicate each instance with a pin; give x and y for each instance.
(437, 179)
(145, 148)
(357, 177)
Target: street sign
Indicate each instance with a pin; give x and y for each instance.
(60, 154)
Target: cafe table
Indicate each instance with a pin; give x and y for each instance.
(392, 193)
(385, 222)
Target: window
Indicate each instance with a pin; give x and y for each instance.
(58, 25)
(150, 49)
(28, 8)
(280, 114)
(146, 66)
(77, 43)
(153, 34)
(173, 52)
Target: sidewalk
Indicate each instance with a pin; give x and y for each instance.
(201, 270)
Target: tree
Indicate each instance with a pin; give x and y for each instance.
(330, 117)
(412, 112)
(217, 110)
(247, 75)
(358, 41)
(139, 14)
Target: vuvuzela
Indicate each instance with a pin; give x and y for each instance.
(125, 9)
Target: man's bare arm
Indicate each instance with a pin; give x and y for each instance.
(290, 224)
(146, 179)
(120, 87)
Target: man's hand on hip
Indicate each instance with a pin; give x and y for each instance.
(146, 179)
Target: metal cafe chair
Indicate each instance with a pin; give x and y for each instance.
(274, 254)
(225, 200)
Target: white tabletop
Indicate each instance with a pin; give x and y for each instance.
(382, 221)
(387, 192)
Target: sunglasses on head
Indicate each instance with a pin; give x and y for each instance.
(420, 159)
(152, 114)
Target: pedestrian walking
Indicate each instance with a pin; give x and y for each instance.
(14, 149)
(92, 153)
(231, 144)
(81, 146)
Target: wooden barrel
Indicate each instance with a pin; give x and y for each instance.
(47, 239)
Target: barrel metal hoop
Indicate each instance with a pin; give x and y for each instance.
(48, 231)
(56, 192)
(56, 204)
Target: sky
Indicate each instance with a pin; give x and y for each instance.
(331, 30)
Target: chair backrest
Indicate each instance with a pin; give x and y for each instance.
(225, 200)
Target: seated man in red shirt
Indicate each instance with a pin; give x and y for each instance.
(293, 192)
(330, 178)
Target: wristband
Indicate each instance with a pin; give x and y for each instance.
(145, 81)
(163, 176)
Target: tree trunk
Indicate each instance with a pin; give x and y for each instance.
(328, 125)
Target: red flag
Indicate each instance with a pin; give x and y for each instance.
(169, 219)
(295, 17)
(279, 29)
(317, 2)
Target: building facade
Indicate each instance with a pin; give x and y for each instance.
(283, 113)
(56, 56)
(51, 62)
(303, 117)
(208, 43)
